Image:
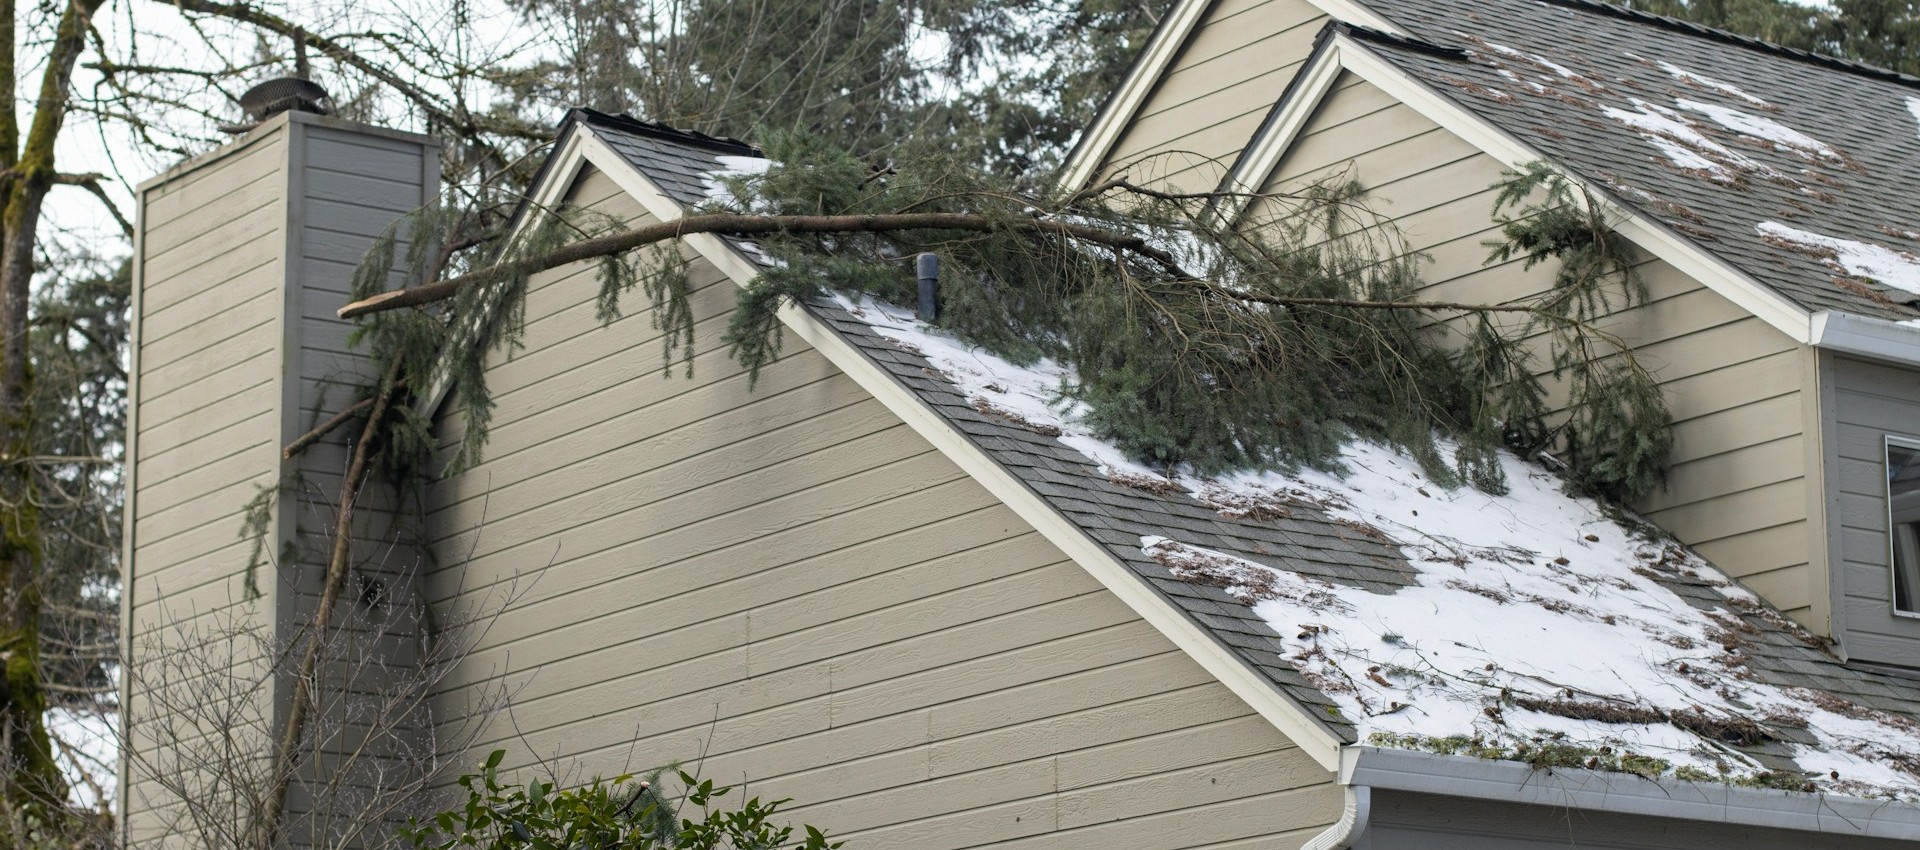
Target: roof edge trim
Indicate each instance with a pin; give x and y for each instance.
(1168, 40)
(1353, 55)
(1258, 160)
(1623, 793)
(1880, 339)
(1265, 698)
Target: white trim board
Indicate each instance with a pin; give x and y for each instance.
(1215, 657)
(1343, 52)
(1155, 61)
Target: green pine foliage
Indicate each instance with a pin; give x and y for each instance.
(1207, 346)
(1615, 431)
(1878, 32)
(624, 813)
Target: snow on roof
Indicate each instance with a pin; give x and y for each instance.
(719, 189)
(1682, 143)
(1765, 129)
(1542, 62)
(1897, 269)
(1537, 623)
(1706, 82)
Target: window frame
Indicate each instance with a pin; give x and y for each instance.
(1911, 445)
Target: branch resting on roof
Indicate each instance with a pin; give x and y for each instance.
(747, 224)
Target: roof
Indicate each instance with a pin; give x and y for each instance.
(1794, 168)
(1306, 530)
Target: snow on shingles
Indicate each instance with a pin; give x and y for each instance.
(1708, 83)
(1913, 107)
(1681, 142)
(1897, 269)
(1768, 130)
(720, 193)
(1543, 62)
(1532, 596)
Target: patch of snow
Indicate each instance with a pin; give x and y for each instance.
(90, 755)
(1541, 61)
(1709, 83)
(1897, 269)
(1765, 129)
(719, 193)
(1913, 107)
(1529, 598)
(1681, 142)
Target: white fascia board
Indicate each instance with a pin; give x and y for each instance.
(1155, 60)
(1625, 793)
(1701, 265)
(1879, 339)
(1250, 685)
(1261, 158)
(546, 195)
(1120, 110)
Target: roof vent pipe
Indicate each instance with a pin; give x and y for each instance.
(928, 266)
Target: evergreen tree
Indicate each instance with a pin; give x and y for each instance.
(1885, 33)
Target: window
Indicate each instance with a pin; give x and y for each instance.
(1903, 522)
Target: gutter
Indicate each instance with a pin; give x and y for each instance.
(1346, 831)
(1880, 339)
(1366, 769)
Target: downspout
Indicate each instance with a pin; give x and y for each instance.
(1351, 825)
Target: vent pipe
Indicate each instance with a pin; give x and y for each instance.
(928, 266)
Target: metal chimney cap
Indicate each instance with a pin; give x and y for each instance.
(285, 94)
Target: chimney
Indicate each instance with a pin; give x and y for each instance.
(240, 257)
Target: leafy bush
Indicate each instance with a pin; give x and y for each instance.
(623, 813)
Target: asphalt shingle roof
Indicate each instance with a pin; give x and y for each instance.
(1504, 60)
(1308, 541)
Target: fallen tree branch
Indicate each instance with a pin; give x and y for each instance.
(265, 829)
(741, 224)
(301, 442)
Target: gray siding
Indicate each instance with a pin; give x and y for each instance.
(204, 436)
(1870, 402)
(1213, 96)
(792, 582)
(1409, 821)
(1738, 489)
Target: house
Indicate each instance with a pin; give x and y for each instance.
(890, 582)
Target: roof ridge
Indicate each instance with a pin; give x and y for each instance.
(1703, 31)
(627, 122)
(1382, 36)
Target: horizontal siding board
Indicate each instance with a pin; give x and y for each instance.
(249, 206)
(176, 418)
(185, 194)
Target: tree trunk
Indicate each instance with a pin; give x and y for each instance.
(35, 778)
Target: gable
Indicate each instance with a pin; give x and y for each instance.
(1194, 94)
(786, 580)
(1738, 491)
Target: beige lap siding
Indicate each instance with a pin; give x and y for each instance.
(1738, 486)
(207, 328)
(791, 581)
(1213, 97)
